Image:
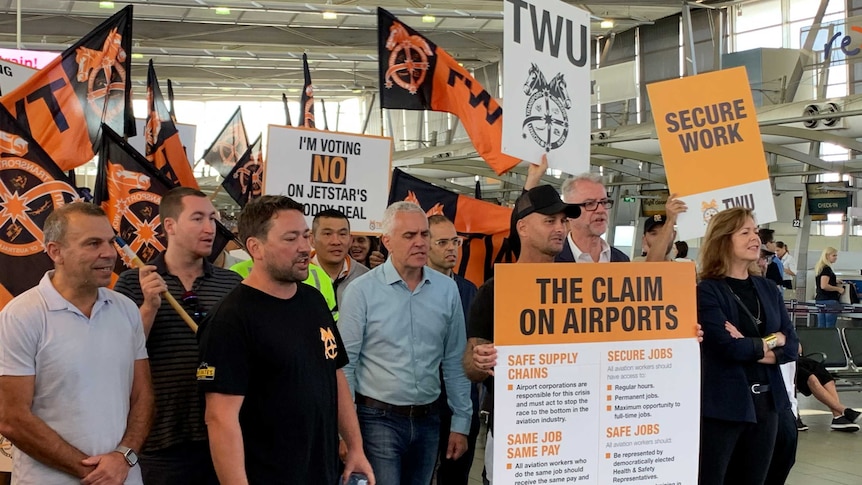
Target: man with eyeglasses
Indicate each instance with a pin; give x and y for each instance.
(585, 244)
(177, 450)
(442, 256)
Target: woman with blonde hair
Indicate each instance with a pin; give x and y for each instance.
(829, 289)
(746, 331)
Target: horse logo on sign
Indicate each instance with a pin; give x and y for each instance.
(546, 116)
(105, 75)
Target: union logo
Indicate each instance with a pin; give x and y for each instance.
(408, 60)
(28, 194)
(330, 348)
(708, 209)
(250, 177)
(105, 75)
(134, 212)
(546, 116)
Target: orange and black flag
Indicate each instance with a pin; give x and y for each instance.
(164, 148)
(171, 101)
(129, 189)
(484, 226)
(245, 181)
(306, 102)
(416, 74)
(228, 146)
(64, 105)
(31, 187)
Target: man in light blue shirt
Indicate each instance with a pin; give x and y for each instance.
(400, 323)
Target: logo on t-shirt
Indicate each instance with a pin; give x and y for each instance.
(205, 372)
(330, 348)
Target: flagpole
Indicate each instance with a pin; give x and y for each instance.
(136, 262)
(215, 193)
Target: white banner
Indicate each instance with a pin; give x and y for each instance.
(546, 72)
(13, 75)
(614, 83)
(331, 170)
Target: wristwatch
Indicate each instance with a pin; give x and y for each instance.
(771, 341)
(129, 454)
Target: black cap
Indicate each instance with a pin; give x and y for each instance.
(543, 199)
(657, 220)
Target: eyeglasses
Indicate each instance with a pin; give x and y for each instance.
(594, 204)
(193, 306)
(444, 243)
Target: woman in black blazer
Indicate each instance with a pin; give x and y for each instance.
(746, 331)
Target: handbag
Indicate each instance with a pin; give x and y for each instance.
(845, 297)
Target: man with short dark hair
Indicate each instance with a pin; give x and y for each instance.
(75, 394)
(330, 238)
(442, 257)
(176, 451)
(271, 358)
(539, 223)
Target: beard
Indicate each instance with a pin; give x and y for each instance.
(289, 274)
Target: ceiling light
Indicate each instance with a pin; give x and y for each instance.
(356, 90)
(106, 4)
(428, 19)
(329, 15)
(607, 24)
(225, 59)
(137, 55)
(222, 11)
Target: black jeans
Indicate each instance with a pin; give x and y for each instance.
(737, 453)
(183, 464)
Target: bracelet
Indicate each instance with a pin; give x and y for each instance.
(771, 341)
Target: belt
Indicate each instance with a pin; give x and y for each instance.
(759, 388)
(412, 411)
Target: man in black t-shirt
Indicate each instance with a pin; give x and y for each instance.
(539, 219)
(271, 358)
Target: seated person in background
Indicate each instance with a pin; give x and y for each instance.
(812, 378)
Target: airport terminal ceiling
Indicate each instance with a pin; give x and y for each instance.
(251, 50)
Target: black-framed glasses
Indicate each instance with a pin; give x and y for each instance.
(456, 241)
(592, 205)
(192, 304)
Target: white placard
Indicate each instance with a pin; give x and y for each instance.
(614, 83)
(546, 72)
(331, 170)
(188, 135)
(13, 75)
(756, 196)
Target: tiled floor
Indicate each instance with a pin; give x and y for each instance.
(824, 457)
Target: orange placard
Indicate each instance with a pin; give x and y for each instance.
(580, 303)
(708, 132)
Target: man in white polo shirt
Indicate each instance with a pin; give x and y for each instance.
(75, 392)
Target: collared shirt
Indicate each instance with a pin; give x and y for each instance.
(350, 270)
(173, 350)
(397, 340)
(582, 257)
(83, 366)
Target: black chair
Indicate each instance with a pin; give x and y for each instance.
(853, 340)
(829, 343)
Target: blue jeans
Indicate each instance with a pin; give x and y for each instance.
(401, 450)
(828, 320)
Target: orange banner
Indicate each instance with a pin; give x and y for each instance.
(557, 303)
(708, 132)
